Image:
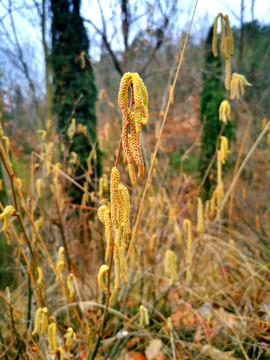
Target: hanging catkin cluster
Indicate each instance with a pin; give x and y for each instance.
(115, 218)
(60, 262)
(144, 316)
(235, 82)
(133, 119)
(238, 83)
(8, 210)
(46, 324)
(226, 45)
(170, 266)
(225, 111)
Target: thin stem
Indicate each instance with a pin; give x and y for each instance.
(119, 154)
(160, 134)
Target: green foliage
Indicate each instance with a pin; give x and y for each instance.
(211, 97)
(190, 163)
(72, 76)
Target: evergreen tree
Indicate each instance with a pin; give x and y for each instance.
(211, 97)
(73, 75)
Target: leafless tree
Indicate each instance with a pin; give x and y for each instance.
(157, 15)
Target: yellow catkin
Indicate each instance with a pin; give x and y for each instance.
(70, 285)
(6, 230)
(8, 210)
(124, 195)
(145, 117)
(60, 266)
(223, 37)
(116, 268)
(114, 196)
(219, 169)
(144, 316)
(69, 336)
(238, 83)
(60, 351)
(44, 321)
(244, 193)
(37, 322)
(225, 111)
(138, 120)
(60, 261)
(138, 117)
(140, 96)
(104, 217)
(229, 34)
(170, 265)
(127, 152)
(40, 277)
(136, 147)
(214, 42)
(219, 198)
(123, 93)
(187, 230)
(200, 222)
(40, 185)
(1, 185)
(52, 336)
(104, 269)
(227, 67)
(224, 149)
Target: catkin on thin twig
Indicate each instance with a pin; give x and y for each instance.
(214, 41)
(170, 265)
(200, 223)
(52, 336)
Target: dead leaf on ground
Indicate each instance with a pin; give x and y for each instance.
(153, 349)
